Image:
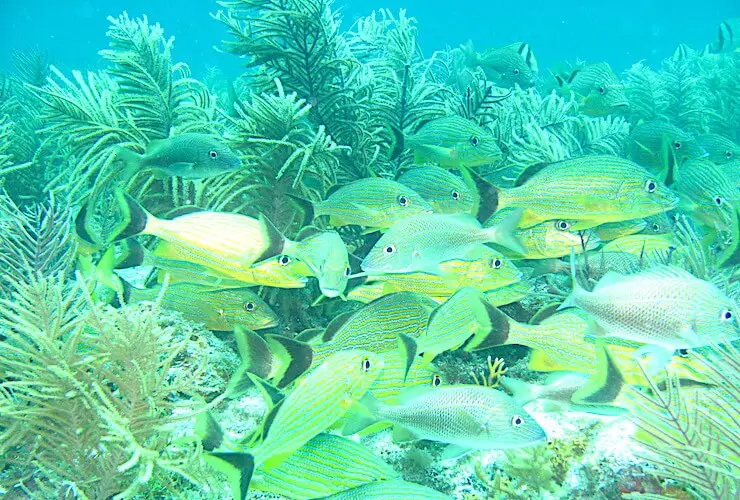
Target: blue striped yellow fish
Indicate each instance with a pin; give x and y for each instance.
(443, 190)
(719, 149)
(596, 88)
(385, 490)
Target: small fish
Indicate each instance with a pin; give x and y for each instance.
(596, 88)
(466, 416)
(316, 402)
(374, 202)
(596, 265)
(661, 147)
(559, 342)
(218, 240)
(190, 156)
(397, 376)
(549, 239)
(508, 65)
(325, 256)
(728, 37)
(614, 230)
(490, 271)
(665, 307)
(659, 224)
(384, 490)
(648, 245)
(707, 193)
(420, 243)
(720, 149)
(451, 141)
(219, 310)
(443, 190)
(588, 191)
(325, 465)
(376, 326)
(573, 391)
(462, 319)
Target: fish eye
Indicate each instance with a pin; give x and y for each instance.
(726, 315)
(284, 260)
(249, 306)
(474, 140)
(455, 195)
(718, 200)
(656, 227)
(436, 380)
(602, 90)
(213, 154)
(562, 225)
(516, 71)
(365, 364)
(677, 144)
(651, 186)
(347, 271)
(402, 200)
(497, 263)
(517, 420)
(390, 249)
(728, 154)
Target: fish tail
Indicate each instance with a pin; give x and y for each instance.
(497, 326)
(471, 58)
(504, 232)
(208, 431)
(488, 194)
(305, 206)
(732, 254)
(238, 468)
(134, 219)
(526, 52)
(132, 254)
(256, 357)
(294, 358)
(397, 142)
(570, 300)
(275, 239)
(82, 228)
(364, 415)
(604, 386)
(408, 348)
(522, 392)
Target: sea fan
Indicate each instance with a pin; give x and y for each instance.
(644, 89)
(685, 96)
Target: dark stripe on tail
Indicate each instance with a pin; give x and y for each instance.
(134, 217)
(499, 332)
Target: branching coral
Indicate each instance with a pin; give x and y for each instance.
(88, 395)
(34, 242)
(693, 438)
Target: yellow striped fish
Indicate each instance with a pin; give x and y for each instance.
(642, 244)
(596, 88)
(614, 230)
(377, 326)
(391, 381)
(443, 190)
(281, 271)
(385, 490)
(368, 292)
(451, 141)
(720, 149)
(325, 465)
(547, 240)
(462, 319)
(219, 310)
(317, 401)
(374, 202)
(214, 239)
(732, 172)
(660, 147)
(509, 294)
(591, 190)
(707, 193)
(595, 266)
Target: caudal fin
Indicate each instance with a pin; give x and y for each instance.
(522, 392)
(238, 467)
(504, 233)
(496, 331)
(134, 218)
(363, 416)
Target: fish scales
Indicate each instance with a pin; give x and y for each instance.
(317, 401)
(385, 490)
(325, 465)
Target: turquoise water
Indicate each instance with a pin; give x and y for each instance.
(410, 250)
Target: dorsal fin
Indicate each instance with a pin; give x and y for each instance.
(182, 210)
(573, 75)
(307, 232)
(544, 312)
(309, 335)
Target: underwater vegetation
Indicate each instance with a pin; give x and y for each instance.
(295, 283)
